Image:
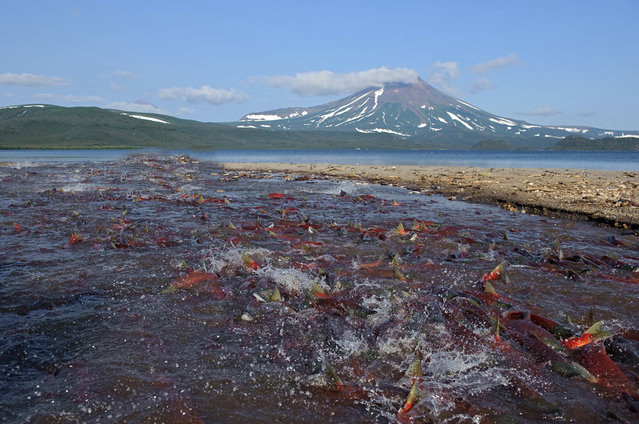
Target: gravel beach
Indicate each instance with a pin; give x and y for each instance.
(607, 197)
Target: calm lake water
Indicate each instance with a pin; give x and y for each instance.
(626, 161)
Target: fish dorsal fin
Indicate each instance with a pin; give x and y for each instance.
(595, 328)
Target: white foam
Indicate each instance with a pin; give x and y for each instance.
(475, 373)
(351, 343)
(78, 187)
(233, 258)
(293, 280)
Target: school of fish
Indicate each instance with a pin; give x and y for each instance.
(162, 289)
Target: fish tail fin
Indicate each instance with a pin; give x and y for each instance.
(276, 296)
(339, 385)
(398, 274)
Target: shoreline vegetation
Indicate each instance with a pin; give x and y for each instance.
(606, 197)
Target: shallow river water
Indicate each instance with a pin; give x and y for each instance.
(156, 289)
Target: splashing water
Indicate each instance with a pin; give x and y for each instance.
(161, 289)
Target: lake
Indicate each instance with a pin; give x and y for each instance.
(625, 161)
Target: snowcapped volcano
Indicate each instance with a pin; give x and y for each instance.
(417, 111)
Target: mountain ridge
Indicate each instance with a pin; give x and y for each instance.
(41, 126)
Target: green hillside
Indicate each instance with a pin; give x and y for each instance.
(56, 127)
(576, 142)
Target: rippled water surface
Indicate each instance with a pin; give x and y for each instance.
(158, 289)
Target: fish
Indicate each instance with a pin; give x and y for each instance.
(412, 398)
(250, 263)
(495, 274)
(318, 291)
(190, 280)
(280, 196)
(555, 328)
(592, 334)
(414, 371)
(369, 265)
(400, 229)
(75, 238)
(595, 359)
(335, 378)
(398, 274)
(539, 344)
(488, 288)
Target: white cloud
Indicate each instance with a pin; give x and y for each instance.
(123, 74)
(480, 85)
(8, 95)
(322, 83)
(30, 80)
(137, 106)
(542, 111)
(205, 93)
(499, 62)
(69, 98)
(443, 76)
(118, 74)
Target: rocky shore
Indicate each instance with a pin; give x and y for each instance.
(608, 197)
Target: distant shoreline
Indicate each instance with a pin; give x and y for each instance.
(607, 197)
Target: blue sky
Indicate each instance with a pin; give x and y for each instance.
(546, 62)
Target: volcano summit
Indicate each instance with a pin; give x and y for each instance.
(416, 111)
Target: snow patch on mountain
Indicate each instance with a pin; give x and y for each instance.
(381, 130)
(457, 118)
(145, 118)
(503, 121)
(257, 117)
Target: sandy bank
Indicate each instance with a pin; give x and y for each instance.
(610, 197)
